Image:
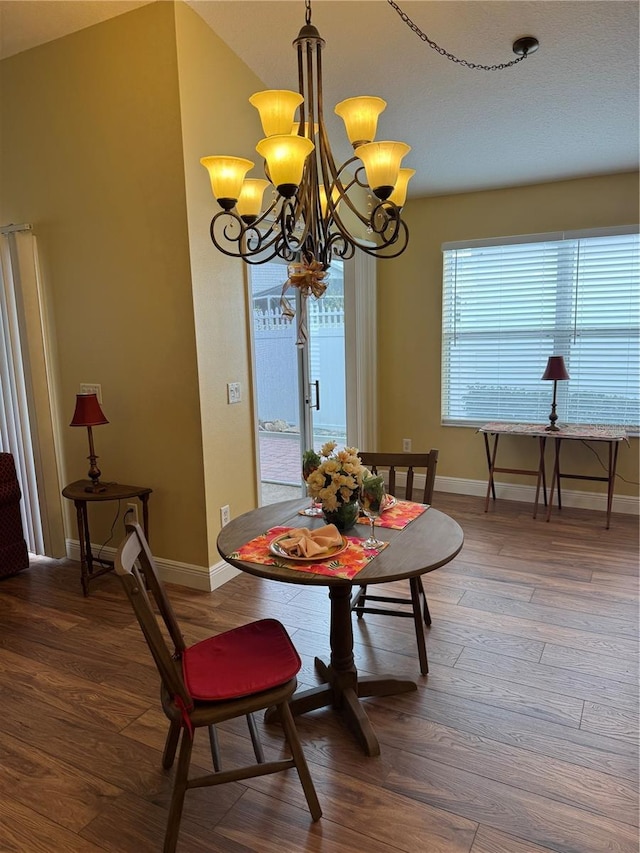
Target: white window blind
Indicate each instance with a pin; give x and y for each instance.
(509, 305)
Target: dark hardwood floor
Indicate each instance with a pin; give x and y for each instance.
(523, 738)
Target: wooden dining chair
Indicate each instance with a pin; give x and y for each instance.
(229, 675)
(414, 606)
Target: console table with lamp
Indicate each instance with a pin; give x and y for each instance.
(555, 371)
(88, 413)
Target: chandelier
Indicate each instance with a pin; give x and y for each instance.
(318, 210)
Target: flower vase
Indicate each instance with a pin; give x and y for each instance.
(344, 517)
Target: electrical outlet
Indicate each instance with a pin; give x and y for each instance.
(92, 388)
(233, 392)
(225, 515)
(406, 445)
(131, 513)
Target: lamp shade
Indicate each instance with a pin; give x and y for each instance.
(88, 412)
(226, 175)
(382, 165)
(285, 155)
(360, 116)
(250, 199)
(555, 368)
(277, 108)
(399, 194)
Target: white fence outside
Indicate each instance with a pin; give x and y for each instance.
(275, 351)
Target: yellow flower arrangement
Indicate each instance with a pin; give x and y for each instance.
(338, 478)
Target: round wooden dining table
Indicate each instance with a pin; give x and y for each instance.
(429, 541)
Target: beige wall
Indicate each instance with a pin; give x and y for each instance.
(409, 311)
(92, 157)
(218, 119)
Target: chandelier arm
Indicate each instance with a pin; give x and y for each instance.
(345, 198)
(384, 250)
(240, 252)
(250, 242)
(338, 245)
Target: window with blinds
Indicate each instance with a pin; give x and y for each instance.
(509, 304)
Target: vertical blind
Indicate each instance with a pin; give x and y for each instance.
(509, 304)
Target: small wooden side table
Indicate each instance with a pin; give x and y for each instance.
(112, 492)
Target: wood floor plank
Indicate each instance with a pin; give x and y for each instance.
(592, 789)
(508, 808)
(253, 824)
(625, 626)
(512, 696)
(547, 739)
(68, 796)
(540, 676)
(534, 629)
(606, 666)
(523, 738)
(490, 840)
(615, 722)
(23, 830)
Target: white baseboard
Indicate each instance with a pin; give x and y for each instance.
(527, 494)
(170, 571)
(209, 578)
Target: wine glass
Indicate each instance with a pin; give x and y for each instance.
(372, 500)
(310, 463)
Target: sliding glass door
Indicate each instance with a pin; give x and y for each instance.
(300, 390)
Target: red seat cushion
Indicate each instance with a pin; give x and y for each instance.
(236, 663)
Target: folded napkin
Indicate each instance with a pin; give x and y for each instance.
(300, 542)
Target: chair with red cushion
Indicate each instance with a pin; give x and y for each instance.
(229, 675)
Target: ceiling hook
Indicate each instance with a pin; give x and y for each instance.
(526, 45)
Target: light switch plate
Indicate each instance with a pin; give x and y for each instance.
(233, 392)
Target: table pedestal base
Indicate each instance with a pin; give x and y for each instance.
(345, 698)
(343, 689)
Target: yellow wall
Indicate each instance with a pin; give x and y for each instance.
(409, 314)
(91, 155)
(218, 119)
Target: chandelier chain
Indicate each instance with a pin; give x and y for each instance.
(432, 44)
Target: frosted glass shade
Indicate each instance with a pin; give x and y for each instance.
(285, 156)
(250, 199)
(360, 116)
(382, 165)
(277, 108)
(227, 175)
(399, 194)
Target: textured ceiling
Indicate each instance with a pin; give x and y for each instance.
(570, 110)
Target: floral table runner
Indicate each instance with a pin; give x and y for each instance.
(345, 565)
(398, 516)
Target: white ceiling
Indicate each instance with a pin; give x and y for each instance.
(569, 110)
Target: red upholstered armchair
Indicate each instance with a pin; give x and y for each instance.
(13, 549)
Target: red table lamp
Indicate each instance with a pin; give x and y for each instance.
(555, 370)
(89, 414)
